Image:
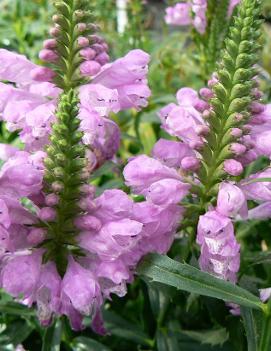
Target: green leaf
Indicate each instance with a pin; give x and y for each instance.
(160, 296)
(107, 168)
(211, 337)
(164, 270)
(52, 337)
(258, 257)
(257, 180)
(118, 326)
(147, 137)
(250, 328)
(17, 309)
(83, 343)
(166, 341)
(18, 331)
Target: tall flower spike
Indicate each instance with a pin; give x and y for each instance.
(66, 163)
(232, 94)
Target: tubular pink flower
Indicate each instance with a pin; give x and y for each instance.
(219, 249)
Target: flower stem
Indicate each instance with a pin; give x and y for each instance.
(265, 341)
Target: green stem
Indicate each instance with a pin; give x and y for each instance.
(265, 341)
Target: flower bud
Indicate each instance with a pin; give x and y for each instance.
(90, 68)
(42, 74)
(51, 200)
(87, 204)
(256, 107)
(82, 42)
(55, 31)
(190, 163)
(98, 48)
(88, 223)
(48, 55)
(206, 93)
(81, 27)
(57, 186)
(88, 53)
(202, 106)
(36, 236)
(88, 190)
(103, 58)
(239, 117)
(236, 132)
(105, 46)
(202, 129)
(47, 214)
(50, 44)
(207, 114)
(233, 167)
(237, 149)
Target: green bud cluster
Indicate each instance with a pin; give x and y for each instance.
(72, 20)
(216, 35)
(65, 165)
(233, 94)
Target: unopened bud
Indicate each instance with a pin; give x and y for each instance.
(206, 93)
(82, 42)
(55, 31)
(233, 167)
(51, 199)
(88, 54)
(237, 149)
(57, 186)
(81, 27)
(190, 163)
(50, 44)
(36, 236)
(90, 68)
(256, 107)
(236, 132)
(47, 214)
(42, 74)
(48, 55)
(202, 130)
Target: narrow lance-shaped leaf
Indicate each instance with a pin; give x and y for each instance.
(164, 270)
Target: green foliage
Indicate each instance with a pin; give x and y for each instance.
(164, 270)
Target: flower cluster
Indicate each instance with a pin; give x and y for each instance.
(63, 249)
(220, 130)
(193, 12)
(28, 105)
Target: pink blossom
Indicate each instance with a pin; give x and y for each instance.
(219, 249)
(179, 15)
(231, 200)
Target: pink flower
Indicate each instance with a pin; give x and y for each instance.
(233, 4)
(179, 15)
(143, 171)
(184, 120)
(171, 153)
(231, 201)
(257, 191)
(219, 249)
